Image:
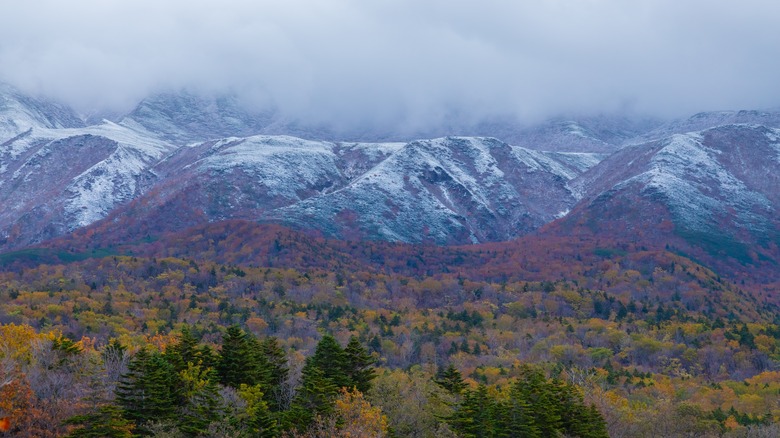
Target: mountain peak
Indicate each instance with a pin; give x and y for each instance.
(20, 112)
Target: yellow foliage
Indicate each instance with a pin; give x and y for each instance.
(731, 423)
(765, 378)
(256, 324)
(15, 341)
(358, 418)
(765, 343)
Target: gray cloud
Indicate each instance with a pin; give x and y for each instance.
(402, 61)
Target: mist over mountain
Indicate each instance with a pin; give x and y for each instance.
(179, 160)
(417, 70)
(389, 218)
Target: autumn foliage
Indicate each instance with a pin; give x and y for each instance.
(657, 343)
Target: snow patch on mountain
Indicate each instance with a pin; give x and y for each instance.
(453, 189)
(19, 113)
(537, 161)
(271, 159)
(698, 189)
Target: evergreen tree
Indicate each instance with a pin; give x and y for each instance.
(277, 375)
(148, 391)
(359, 365)
(532, 388)
(107, 422)
(263, 423)
(258, 419)
(451, 380)
(577, 419)
(595, 426)
(315, 396)
(479, 416)
(238, 359)
(330, 358)
(184, 351)
(519, 416)
(201, 399)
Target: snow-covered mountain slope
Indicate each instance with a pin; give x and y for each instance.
(237, 178)
(708, 120)
(186, 117)
(719, 187)
(449, 190)
(180, 160)
(603, 134)
(19, 113)
(53, 181)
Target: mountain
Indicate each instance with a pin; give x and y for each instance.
(706, 185)
(152, 172)
(186, 117)
(599, 134)
(20, 112)
(450, 190)
(717, 189)
(53, 181)
(707, 120)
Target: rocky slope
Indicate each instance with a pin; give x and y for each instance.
(450, 190)
(180, 160)
(718, 188)
(19, 113)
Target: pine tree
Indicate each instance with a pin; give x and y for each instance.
(451, 380)
(238, 359)
(148, 390)
(277, 375)
(577, 419)
(519, 415)
(359, 365)
(330, 358)
(315, 396)
(258, 419)
(107, 422)
(201, 400)
(532, 388)
(477, 416)
(184, 351)
(595, 426)
(263, 423)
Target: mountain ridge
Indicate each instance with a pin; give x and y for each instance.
(182, 160)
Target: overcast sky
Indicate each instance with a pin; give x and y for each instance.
(357, 61)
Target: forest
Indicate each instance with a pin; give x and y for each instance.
(608, 341)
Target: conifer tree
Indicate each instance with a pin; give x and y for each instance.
(330, 358)
(184, 351)
(451, 380)
(519, 415)
(258, 419)
(201, 400)
(478, 415)
(148, 390)
(359, 365)
(237, 359)
(532, 387)
(315, 396)
(277, 375)
(577, 419)
(107, 422)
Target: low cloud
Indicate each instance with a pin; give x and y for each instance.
(411, 63)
